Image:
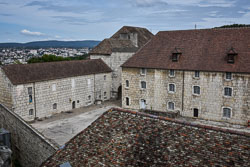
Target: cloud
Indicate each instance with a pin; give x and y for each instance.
(148, 3)
(52, 6)
(6, 15)
(27, 32)
(217, 3)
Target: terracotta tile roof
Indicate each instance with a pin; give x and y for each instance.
(107, 46)
(29, 73)
(204, 50)
(143, 34)
(127, 138)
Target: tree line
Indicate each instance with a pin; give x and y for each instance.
(51, 58)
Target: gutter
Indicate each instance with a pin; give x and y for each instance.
(34, 87)
(182, 98)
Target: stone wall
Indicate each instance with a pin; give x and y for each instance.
(5, 90)
(114, 61)
(210, 102)
(55, 96)
(28, 146)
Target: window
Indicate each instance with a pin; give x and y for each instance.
(171, 73)
(143, 71)
(30, 99)
(30, 90)
(227, 91)
(231, 58)
(127, 83)
(143, 85)
(196, 112)
(142, 104)
(174, 57)
(54, 106)
(73, 83)
(127, 101)
(227, 112)
(197, 74)
(53, 87)
(104, 77)
(89, 97)
(105, 94)
(228, 75)
(171, 87)
(170, 105)
(196, 90)
(89, 81)
(31, 112)
(176, 53)
(78, 101)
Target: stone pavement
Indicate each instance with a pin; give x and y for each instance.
(60, 128)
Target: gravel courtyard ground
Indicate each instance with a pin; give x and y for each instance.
(60, 128)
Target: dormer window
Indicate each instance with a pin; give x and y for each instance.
(231, 56)
(176, 54)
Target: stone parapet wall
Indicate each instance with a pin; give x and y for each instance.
(5, 90)
(29, 147)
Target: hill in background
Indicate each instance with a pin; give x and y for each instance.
(52, 44)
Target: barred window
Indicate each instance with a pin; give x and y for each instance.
(171, 87)
(143, 71)
(29, 90)
(171, 73)
(54, 106)
(127, 83)
(197, 74)
(196, 90)
(30, 99)
(227, 112)
(31, 112)
(170, 105)
(228, 75)
(227, 91)
(143, 85)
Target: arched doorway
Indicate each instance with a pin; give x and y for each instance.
(119, 94)
(73, 104)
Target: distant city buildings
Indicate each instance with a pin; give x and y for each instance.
(13, 55)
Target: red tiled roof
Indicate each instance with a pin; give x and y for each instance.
(204, 50)
(128, 138)
(107, 46)
(29, 73)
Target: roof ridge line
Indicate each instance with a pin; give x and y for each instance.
(209, 127)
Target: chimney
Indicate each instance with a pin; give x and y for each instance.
(134, 38)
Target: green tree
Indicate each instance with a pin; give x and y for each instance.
(234, 26)
(51, 58)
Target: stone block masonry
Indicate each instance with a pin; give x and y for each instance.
(208, 103)
(29, 147)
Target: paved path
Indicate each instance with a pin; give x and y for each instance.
(62, 129)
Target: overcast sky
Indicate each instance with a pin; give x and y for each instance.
(29, 20)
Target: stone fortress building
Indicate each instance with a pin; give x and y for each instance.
(42, 89)
(198, 73)
(118, 49)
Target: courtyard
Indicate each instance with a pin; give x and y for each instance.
(60, 128)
